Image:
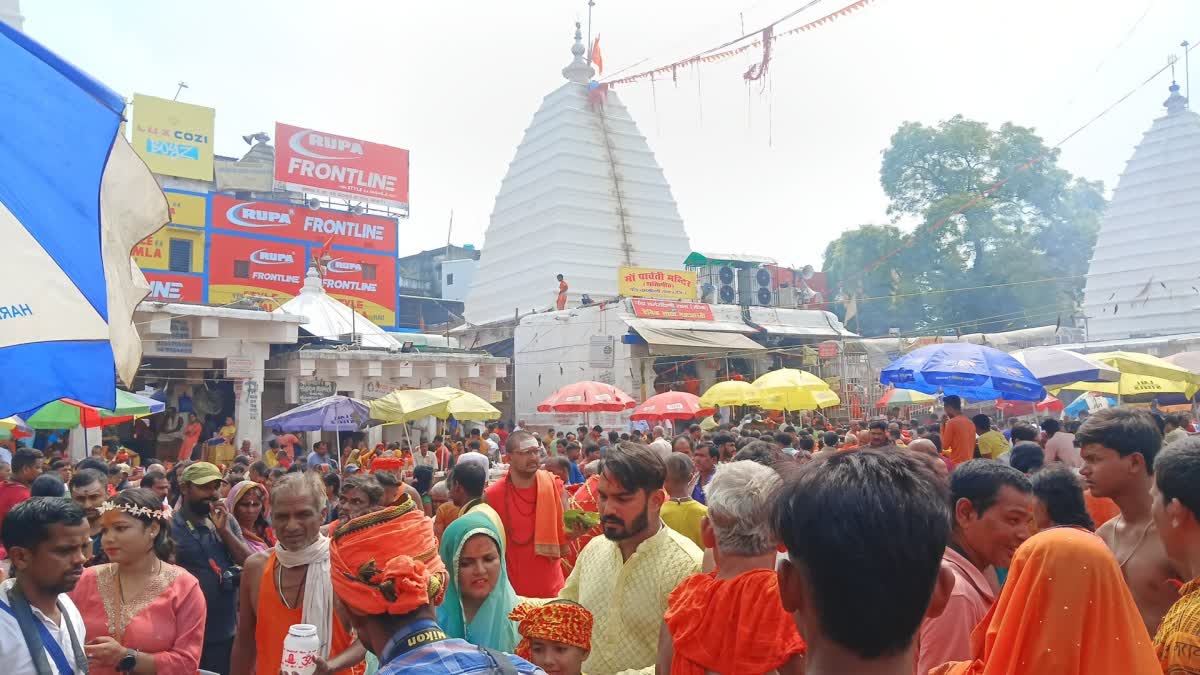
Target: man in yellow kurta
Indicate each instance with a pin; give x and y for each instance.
(1176, 512)
(625, 577)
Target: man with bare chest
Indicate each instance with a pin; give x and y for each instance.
(1118, 447)
(290, 584)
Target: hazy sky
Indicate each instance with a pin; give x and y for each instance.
(780, 172)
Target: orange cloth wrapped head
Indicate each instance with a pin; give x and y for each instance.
(558, 621)
(386, 562)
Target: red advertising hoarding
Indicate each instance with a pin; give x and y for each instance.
(238, 266)
(167, 287)
(289, 221)
(667, 309)
(318, 162)
(367, 283)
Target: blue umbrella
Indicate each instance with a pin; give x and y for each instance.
(968, 370)
(332, 413)
(70, 291)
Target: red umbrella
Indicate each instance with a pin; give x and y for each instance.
(587, 397)
(671, 405)
(1017, 408)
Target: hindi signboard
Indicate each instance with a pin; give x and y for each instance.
(314, 390)
(328, 164)
(647, 282)
(667, 309)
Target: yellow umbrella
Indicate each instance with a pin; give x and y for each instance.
(786, 379)
(407, 405)
(801, 399)
(1134, 363)
(731, 392)
(1135, 385)
(466, 406)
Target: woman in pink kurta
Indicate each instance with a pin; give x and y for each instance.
(139, 601)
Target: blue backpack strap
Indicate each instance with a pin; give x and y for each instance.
(48, 643)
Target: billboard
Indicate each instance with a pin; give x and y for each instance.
(154, 252)
(645, 282)
(240, 266)
(288, 221)
(173, 138)
(167, 287)
(366, 283)
(321, 163)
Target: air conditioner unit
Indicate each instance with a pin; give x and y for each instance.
(764, 291)
(727, 285)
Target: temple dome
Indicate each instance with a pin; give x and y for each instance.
(1143, 278)
(583, 196)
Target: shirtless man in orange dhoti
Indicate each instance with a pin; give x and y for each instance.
(1118, 447)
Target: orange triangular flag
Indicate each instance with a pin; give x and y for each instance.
(596, 58)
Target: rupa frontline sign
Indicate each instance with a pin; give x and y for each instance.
(287, 221)
(307, 160)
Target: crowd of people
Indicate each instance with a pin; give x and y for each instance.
(940, 546)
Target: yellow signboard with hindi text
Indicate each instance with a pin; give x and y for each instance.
(647, 282)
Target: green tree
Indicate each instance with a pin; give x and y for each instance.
(992, 210)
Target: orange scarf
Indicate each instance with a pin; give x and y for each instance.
(1064, 610)
(730, 626)
(549, 538)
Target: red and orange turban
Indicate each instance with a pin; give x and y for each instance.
(387, 464)
(386, 562)
(560, 621)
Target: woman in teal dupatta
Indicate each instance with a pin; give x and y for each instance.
(479, 595)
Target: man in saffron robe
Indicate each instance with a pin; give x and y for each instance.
(530, 504)
(731, 620)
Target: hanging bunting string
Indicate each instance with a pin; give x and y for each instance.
(766, 36)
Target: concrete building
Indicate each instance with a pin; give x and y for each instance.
(433, 286)
(1142, 278)
(341, 352)
(582, 197)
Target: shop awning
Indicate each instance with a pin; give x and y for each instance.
(810, 323)
(678, 342)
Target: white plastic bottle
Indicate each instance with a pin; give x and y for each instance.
(301, 648)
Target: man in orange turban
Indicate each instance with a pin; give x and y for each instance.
(387, 575)
(731, 620)
(556, 637)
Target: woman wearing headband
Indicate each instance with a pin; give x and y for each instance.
(142, 614)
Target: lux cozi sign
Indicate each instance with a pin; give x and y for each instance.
(307, 160)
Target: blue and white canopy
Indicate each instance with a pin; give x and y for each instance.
(74, 200)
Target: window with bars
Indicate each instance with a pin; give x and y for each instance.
(179, 255)
(368, 272)
(241, 269)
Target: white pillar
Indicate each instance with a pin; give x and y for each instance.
(248, 411)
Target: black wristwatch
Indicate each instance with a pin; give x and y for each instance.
(127, 662)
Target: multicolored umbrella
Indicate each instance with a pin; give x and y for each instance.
(1090, 402)
(587, 397)
(974, 372)
(74, 200)
(671, 405)
(894, 397)
(68, 413)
